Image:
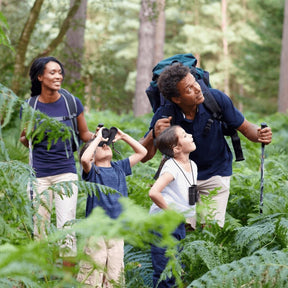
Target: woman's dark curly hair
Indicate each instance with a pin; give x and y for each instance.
(170, 77)
(37, 68)
(167, 140)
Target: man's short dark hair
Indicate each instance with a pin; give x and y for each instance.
(169, 78)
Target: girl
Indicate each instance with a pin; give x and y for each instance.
(174, 189)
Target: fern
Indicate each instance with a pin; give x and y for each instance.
(138, 267)
(30, 122)
(256, 236)
(206, 252)
(262, 269)
(8, 101)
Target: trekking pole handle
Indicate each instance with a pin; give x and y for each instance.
(263, 125)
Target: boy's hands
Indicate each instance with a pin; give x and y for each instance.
(119, 136)
(99, 134)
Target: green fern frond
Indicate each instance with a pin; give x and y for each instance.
(8, 100)
(257, 236)
(282, 232)
(49, 127)
(210, 253)
(262, 269)
(138, 267)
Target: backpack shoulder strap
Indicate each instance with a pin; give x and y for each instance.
(210, 103)
(32, 101)
(71, 107)
(70, 101)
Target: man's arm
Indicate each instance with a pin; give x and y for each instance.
(149, 141)
(254, 133)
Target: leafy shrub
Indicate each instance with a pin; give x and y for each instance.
(212, 257)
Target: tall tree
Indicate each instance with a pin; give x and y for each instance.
(283, 83)
(159, 32)
(141, 103)
(20, 70)
(225, 46)
(75, 42)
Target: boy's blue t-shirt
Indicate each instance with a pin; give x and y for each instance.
(113, 177)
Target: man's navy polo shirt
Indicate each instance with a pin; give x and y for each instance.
(212, 155)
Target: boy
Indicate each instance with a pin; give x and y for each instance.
(97, 166)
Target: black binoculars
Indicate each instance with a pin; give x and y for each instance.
(108, 133)
(193, 195)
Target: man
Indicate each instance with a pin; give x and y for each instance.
(212, 156)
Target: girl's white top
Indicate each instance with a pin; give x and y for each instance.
(176, 192)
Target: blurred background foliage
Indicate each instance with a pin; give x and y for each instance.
(108, 65)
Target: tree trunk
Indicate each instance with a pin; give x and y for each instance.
(146, 38)
(75, 42)
(225, 47)
(283, 83)
(20, 71)
(159, 33)
(19, 68)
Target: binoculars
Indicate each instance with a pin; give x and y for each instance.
(108, 133)
(193, 194)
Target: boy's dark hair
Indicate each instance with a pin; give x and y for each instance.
(170, 77)
(37, 68)
(83, 149)
(167, 140)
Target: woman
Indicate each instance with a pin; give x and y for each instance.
(57, 164)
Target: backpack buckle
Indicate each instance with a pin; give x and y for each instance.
(208, 127)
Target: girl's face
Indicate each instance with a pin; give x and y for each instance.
(185, 140)
(52, 76)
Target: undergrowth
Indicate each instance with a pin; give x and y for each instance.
(250, 251)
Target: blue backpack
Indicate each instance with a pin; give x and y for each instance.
(156, 98)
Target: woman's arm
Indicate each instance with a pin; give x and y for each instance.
(84, 133)
(23, 139)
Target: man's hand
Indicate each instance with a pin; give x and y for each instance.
(264, 135)
(148, 141)
(161, 125)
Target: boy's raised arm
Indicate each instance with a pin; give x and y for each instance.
(88, 155)
(139, 149)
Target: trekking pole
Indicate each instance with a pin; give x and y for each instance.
(263, 125)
